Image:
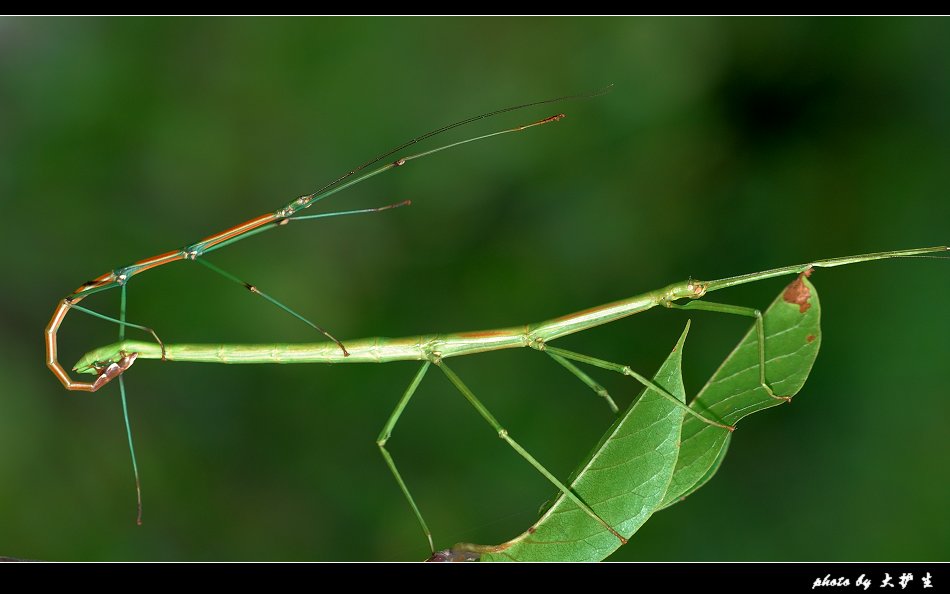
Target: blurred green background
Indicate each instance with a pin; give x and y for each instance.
(726, 146)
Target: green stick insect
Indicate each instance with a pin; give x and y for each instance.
(662, 392)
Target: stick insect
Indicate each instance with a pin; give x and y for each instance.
(111, 362)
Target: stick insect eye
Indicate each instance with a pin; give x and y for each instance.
(126, 360)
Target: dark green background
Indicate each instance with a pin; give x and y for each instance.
(726, 146)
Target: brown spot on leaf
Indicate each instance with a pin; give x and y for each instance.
(810, 337)
(797, 292)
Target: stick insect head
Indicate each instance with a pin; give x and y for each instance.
(96, 358)
(106, 362)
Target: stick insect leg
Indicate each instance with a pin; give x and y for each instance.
(384, 436)
(759, 332)
(200, 249)
(121, 322)
(503, 434)
(341, 213)
(257, 291)
(588, 380)
(626, 370)
(125, 414)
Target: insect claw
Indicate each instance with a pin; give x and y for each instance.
(114, 370)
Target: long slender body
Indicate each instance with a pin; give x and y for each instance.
(440, 346)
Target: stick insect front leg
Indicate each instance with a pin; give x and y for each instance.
(254, 290)
(196, 253)
(125, 411)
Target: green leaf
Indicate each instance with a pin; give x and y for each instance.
(704, 479)
(792, 338)
(654, 455)
(623, 480)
